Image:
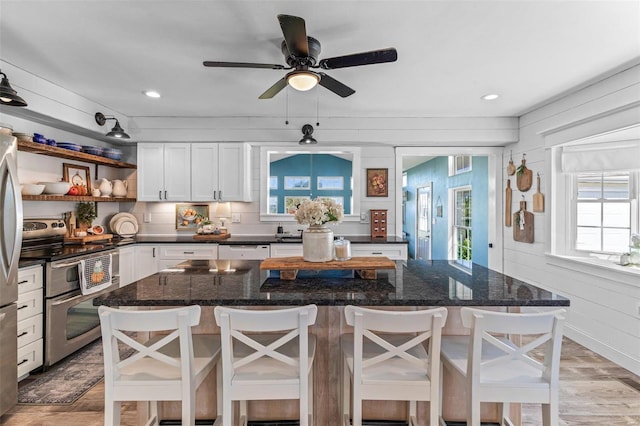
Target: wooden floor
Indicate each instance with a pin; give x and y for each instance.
(593, 391)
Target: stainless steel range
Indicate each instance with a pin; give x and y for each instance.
(70, 319)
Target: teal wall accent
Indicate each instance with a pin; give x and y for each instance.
(436, 171)
(312, 165)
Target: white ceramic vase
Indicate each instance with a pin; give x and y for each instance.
(317, 244)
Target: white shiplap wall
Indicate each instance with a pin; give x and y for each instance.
(605, 308)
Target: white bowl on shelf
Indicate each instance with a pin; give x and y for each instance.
(56, 188)
(32, 189)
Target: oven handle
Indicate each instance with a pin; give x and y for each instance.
(77, 297)
(56, 265)
(64, 265)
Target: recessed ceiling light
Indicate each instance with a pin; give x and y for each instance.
(490, 97)
(152, 93)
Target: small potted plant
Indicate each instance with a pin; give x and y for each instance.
(86, 212)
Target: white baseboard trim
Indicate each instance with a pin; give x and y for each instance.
(611, 353)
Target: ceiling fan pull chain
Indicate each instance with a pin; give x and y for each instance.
(286, 108)
(317, 107)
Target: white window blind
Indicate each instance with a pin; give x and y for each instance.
(601, 157)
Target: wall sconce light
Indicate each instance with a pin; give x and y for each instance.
(117, 131)
(439, 207)
(307, 139)
(8, 96)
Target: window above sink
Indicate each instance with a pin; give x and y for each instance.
(290, 175)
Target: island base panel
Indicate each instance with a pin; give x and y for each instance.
(329, 326)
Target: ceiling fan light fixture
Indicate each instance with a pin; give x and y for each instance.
(8, 96)
(307, 139)
(303, 80)
(117, 131)
(490, 97)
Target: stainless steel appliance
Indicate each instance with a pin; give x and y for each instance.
(10, 240)
(70, 319)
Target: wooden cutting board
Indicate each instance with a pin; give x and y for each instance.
(523, 224)
(211, 237)
(538, 198)
(524, 177)
(87, 239)
(507, 204)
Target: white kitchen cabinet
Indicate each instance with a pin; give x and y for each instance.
(164, 172)
(286, 250)
(173, 254)
(127, 265)
(220, 172)
(392, 251)
(30, 315)
(146, 260)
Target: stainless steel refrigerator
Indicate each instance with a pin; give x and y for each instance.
(10, 241)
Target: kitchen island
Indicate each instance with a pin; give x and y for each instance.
(413, 284)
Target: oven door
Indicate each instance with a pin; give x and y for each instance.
(72, 322)
(62, 275)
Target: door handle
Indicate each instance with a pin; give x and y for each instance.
(153, 254)
(160, 195)
(215, 195)
(165, 195)
(22, 362)
(23, 307)
(23, 282)
(220, 195)
(24, 333)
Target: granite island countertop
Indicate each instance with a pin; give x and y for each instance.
(414, 283)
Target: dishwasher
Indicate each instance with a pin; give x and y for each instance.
(242, 251)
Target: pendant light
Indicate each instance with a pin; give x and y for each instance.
(307, 139)
(117, 131)
(8, 96)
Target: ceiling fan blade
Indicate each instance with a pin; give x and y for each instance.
(242, 65)
(335, 86)
(295, 35)
(356, 59)
(275, 89)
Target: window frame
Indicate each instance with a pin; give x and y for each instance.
(453, 234)
(453, 166)
(633, 213)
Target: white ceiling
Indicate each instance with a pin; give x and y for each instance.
(450, 53)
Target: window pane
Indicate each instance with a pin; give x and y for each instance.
(616, 187)
(616, 240)
(589, 187)
(616, 214)
(589, 214)
(588, 239)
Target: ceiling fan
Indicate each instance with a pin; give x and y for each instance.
(301, 54)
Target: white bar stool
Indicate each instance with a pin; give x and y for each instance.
(385, 359)
(268, 365)
(165, 368)
(496, 369)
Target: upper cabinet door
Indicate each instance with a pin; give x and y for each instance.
(235, 172)
(177, 176)
(150, 172)
(204, 172)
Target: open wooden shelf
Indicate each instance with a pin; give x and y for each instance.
(76, 198)
(38, 148)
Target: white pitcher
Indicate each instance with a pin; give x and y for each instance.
(120, 188)
(105, 187)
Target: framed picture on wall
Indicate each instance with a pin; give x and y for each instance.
(77, 175)
(377, 183)
(189, 216)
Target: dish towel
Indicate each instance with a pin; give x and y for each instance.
(95, 274)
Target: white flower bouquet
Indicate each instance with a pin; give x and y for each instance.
(319, 211)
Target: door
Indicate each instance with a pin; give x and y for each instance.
(204, 172)
(234, 175)
(11, 221)
(150, 172)
(423, 223)
(177, 172)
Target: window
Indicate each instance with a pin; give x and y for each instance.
(462, 226)
(459, 164)
(603, 214)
